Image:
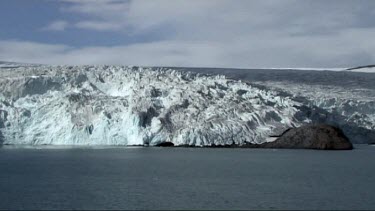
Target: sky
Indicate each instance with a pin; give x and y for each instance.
(189, 33)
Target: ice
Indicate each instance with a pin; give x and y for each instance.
(119, 105)
(129, 105)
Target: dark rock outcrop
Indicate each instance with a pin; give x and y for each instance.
(165, 144)
(319, 136)
(360, 67)
(1, 138)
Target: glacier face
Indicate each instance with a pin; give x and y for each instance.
(352, 110)
(345, 99)
(118, 105)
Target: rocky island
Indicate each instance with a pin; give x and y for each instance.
(320, 136)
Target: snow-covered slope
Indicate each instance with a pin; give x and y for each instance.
(113, 105)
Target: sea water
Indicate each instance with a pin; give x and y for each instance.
(186, 178)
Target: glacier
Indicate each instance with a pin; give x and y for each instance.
(131, 105)
(345, 99)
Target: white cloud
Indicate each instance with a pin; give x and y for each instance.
(158, 53)
(97, 25)
(101, 15)
(222, 33)
(335, 50)
(241, 15)
(57, 26)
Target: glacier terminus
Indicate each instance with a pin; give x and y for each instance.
(131, 105)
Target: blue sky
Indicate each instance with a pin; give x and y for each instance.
(208, 33)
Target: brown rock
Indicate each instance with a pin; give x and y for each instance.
(319, 136)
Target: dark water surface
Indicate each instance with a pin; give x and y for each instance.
(186, 178)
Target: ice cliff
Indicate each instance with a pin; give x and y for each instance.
(118, 105)
(124, 105)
